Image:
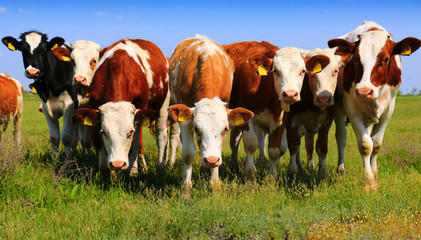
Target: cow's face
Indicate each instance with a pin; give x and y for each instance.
(85, 55)
(210, 120)
(323, 84)
(34, 47)
(289, 67)
(118, 123)
(374, 62)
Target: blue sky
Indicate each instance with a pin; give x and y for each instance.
(302, 24)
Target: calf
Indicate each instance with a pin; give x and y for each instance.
(370, 83)
(11, 105)
(53, 83)
(200, 83)
(129, 87)
(268, 95)
(314, 113)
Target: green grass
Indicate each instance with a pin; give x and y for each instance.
(42, 198)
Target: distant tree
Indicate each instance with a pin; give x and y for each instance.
(414, 91)
(399, 93)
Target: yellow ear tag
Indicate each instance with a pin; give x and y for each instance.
(317, 68)
(406, 51)
(239, 120)
(182, 118)
(87, 121)
(34, 90)
(55, 45)
(66, 59)
(146, 122)
(11, 47)
(262, 71)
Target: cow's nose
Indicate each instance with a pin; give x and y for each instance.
(290, 96)
(211, 162)
(324, 99)
(118, 165)
(32, 72)
(366, 93)
(80, 80)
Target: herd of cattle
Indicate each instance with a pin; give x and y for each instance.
(255, 89)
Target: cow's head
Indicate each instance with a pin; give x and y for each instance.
(211, 120)
(34, 47)
(323, 84)
(374, 62)
(118, 123)
(288, 66)
(84, 56)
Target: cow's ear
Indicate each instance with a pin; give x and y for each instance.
(144, 117)
(407, 46)
(55, 42)
(12, 43)
(62, 54)
(239, 116)
(261, 64)
(344, 47)
(87, 116)
(317, 63)
(180, 113)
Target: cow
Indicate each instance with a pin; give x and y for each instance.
(129, 88)
(201, 76)
(313, 114)
(11, 105)
(370, 83)
(266, 81)
(84, 56)
(53, 83)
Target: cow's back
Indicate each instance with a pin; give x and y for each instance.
(11, 95)
(200, 69)
(131, 70)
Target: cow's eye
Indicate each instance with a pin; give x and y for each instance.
(304, 71)
(102, 132)
(386, 60)
(130, 134)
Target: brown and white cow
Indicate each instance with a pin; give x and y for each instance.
(314, 113)
(201, 76)
(266, 81)
(370, 83)
(11, 105)
(130, 86)
(84, 56)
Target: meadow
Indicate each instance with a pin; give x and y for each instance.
(45, 198)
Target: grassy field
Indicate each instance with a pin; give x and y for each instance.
(42, 198)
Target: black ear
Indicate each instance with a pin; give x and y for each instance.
(11, 43)
(55, 42)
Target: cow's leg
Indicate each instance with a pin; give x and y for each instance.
(162, 133)
(103, 164)
(377, 137)
(365, 146)
(276, 150)
(54, 127)
(340, 135)
(188, 154)
(68, 135)
(18, 123)
(134, 152)
(235, 137)
(215, 183)
(85, 138)
(261, 139)
(3, 125)
(294, 147)
(174, 141)
(141, 159)
(250, 146)
(321, 150)
(309, 142)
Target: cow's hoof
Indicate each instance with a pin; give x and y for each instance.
(186, 190)
(310, 165)
(215, 185)
(250, 173)
(341, 171)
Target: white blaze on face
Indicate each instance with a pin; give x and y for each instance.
(82, 54)
(370, 46)
(117, 122)
(210, 122)
(288, 64)
(324, 83)
(33, 39)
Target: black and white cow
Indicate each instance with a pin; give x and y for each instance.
(53, 82)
